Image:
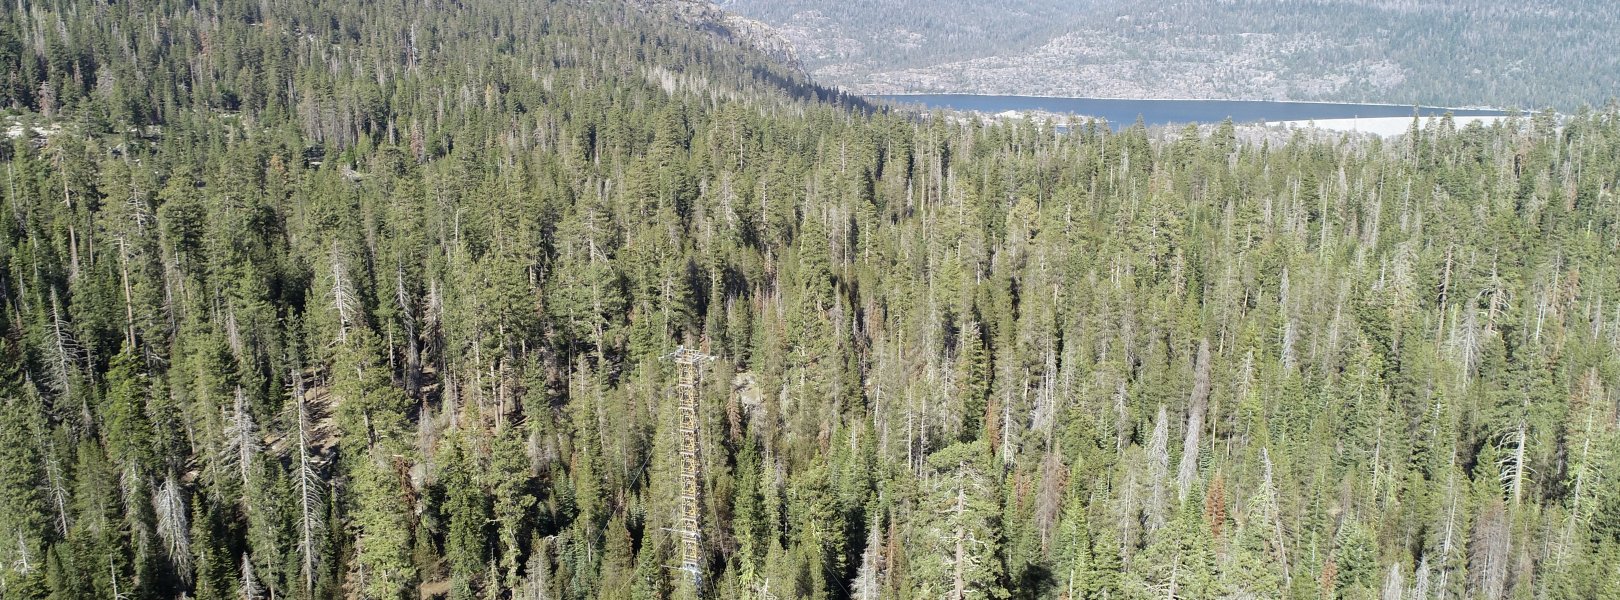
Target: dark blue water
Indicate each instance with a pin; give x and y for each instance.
(1122, 113)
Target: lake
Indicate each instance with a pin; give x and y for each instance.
(1122, 113)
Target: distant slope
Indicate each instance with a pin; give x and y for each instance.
(707, 16)
(398, 63)
(1469, 52)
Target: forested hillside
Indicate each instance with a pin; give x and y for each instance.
(1530, 55)
(309, 299)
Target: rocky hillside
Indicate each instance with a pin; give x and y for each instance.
(1530, 55)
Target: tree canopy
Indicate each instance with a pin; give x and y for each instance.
(320, 300)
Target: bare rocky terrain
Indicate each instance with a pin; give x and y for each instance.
(1456, 53)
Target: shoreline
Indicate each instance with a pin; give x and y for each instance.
(1380, 126)
(1504, 111)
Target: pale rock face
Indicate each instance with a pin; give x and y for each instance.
(731, 26)
(1466, 53)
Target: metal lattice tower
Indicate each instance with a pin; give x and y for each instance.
(688, 528)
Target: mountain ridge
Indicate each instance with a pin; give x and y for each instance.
(1527, 56)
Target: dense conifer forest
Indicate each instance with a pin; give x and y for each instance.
(318, 299)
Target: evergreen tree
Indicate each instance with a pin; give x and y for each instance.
(956, 546)
(1179, 562)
